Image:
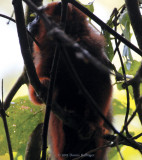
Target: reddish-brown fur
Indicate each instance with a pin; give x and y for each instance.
(66, 141)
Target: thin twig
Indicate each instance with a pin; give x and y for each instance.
(51, 85)
(106, 27)
(135, 18)
(127, 90)
(3, 115)
(135, 83)
(92, 151)
(11, 17)
(119, 152)
(13, 20)
(49, 102)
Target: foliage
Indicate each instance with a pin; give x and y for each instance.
(120, 20)
(109, 46)
(26, 117)
(125, 22)
(130, 72)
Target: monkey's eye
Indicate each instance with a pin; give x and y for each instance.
(33, 26)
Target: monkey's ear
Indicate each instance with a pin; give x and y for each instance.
(34, 26)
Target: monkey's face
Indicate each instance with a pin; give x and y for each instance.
(33, 26)
(53, 10)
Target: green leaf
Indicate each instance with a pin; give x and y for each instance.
(130, 71)
(109, 47)
(124, 18)
(90, 7)
(113, 153)
(118, 107)
(134, 67)
(22, 120)
(125, 22)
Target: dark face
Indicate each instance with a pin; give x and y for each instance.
(33, 26)
(53, 10)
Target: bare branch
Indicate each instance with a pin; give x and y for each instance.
(30, 68)
(3, 115)
(51, 84)
(136, 19)
(135, 83)
(9, 18)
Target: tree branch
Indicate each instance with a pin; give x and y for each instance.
(3, 115)
(135, 83)
(105, 27)
(30, 68)
(52, 82)
(135, 18)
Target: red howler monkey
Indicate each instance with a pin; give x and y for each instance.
(65, 141)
